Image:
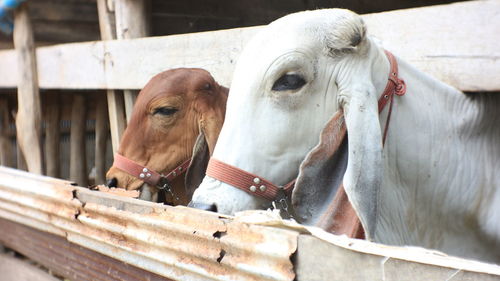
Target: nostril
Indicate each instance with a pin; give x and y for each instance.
(213, 208)
(112, 182)
(202, 206)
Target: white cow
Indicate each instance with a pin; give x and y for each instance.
(434, 184)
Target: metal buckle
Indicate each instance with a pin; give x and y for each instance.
(281, 203)
(164, 184)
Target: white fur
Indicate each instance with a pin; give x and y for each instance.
(440, 180)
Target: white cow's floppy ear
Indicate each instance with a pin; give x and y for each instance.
(364, 167)
(321, 172)
(198, 166)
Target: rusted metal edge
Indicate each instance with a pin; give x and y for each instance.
(351, 259)
(68, 259)
(324, 256)
(415, 255)
(177, 243)
(186, 244)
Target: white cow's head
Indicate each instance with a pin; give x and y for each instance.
(289, 82)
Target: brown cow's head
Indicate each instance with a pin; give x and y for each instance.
(173, 110)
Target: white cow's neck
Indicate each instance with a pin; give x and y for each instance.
(427, 166)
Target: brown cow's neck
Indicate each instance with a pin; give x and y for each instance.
(179, 191)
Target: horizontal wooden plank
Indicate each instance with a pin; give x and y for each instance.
(16, 269)
(455, 43)
(8, 69)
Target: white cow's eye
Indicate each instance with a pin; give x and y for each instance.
(289, 82)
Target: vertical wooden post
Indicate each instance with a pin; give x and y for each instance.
(101, 137)
(52, 133)
(6, 154)
(78, 158)
(28, 119)
(132, 18)
(117, 121)
(129, 97)
(132, 21)
(115, 100)
(20, 161)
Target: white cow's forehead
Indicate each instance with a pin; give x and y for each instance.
(303, 30)
(308, 19)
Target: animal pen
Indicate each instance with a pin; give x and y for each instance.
(64, 105)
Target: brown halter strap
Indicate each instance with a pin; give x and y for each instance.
(147, 175)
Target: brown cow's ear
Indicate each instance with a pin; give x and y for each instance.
(321, 173)
(198, 166)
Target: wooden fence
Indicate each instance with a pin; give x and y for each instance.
(456, 51)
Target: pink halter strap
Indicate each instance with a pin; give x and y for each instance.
(244, 180)
(149, 176)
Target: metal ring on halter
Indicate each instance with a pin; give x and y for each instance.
(280, 202)
(164, 184)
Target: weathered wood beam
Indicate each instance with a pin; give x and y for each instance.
(52, 113)
(17, 269)
(116, 107)
(6, 155)
(28, 118)
(117, 121)
(78, 159)
(101, 137)
(132, 18)
(132, 21)
(20, 161)
(454, 43)
(106, 20)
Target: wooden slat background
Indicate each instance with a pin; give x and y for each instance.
(436, 39)
(64, 21)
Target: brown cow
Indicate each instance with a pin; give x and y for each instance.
(176, 109)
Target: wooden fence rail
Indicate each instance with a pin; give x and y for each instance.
(462, 50)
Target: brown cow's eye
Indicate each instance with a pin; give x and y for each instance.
(165, 111)
(289, 82)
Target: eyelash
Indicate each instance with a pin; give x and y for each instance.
(289, 82)
(166, 111)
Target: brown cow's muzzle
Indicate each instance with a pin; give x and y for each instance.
(118, 178)
(113, 182)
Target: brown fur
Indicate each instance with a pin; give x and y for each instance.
(162, 142)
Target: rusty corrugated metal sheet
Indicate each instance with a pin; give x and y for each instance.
(184, 244)
(68, 259)
(177, 243)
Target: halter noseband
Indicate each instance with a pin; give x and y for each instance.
(147, 175)
(260, 187)
(244, 180)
